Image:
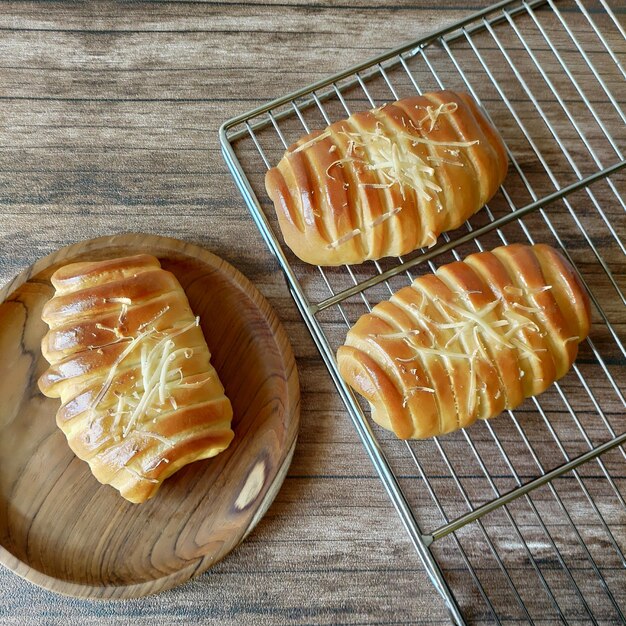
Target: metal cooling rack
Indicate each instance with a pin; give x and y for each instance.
(522, 518)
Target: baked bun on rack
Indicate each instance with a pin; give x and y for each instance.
(469, 341)
(140, 398)
(387, 181)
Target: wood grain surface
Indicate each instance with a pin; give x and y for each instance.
(108, 123)
(60, 528)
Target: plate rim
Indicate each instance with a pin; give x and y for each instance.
(292, 385)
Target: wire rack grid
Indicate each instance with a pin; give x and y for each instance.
(518, 519)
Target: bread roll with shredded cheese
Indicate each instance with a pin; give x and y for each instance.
(469, 341)
(140, 398)
(387, 181)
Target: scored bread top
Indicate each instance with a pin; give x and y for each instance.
(387, 181)
(469, 341)
(128, 359)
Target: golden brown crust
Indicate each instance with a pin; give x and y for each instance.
(88, 273)
(469, 341)
(140, 398)
(387, 181)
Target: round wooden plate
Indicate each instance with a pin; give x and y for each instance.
(60, 528)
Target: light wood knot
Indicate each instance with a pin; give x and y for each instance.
(252, 487)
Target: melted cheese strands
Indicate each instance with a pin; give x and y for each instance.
(468, 342)
(140, 398)
(387, 181)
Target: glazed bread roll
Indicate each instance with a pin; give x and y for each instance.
(387, 181)
(471, 340)
(140, 398)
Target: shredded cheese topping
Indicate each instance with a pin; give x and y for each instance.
(358, 231)
(433, 114)
(343, 239)
(315, 140)
(126, 301)
(406, 333)
(412, 391)
(393, 159)
(499, 324)
(150, 393)
(395, 162)
(152, 466)
(134, 472)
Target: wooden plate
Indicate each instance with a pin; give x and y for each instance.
(60, 528)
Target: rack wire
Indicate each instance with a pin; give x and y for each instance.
(521, 518)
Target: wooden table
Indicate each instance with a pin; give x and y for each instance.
(109, 117)
(108, 121)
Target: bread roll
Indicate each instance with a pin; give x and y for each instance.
(469, 341)
(387, 181)
(140, 398)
